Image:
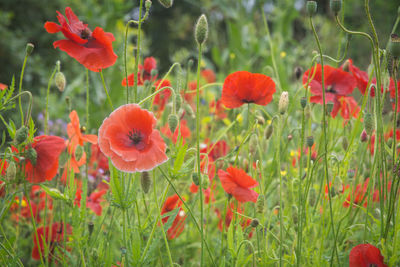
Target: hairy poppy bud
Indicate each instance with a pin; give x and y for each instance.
(310, 141)
(254, 223)
(260, 204)
(311, 8)
(189, 110)
(166, 3)
(297, 72)
(145, 181)
(21, 135)
(173, 122)
(60, 81)
(11, 171)
(390, 142)
(178, 102)
(147, 4)
(268, 131)
(29, 48)
(394, 46)
(368, 123)
(31, 154)
(303, 102)
(336, 6)
(283, 103)
(195, 178)
(364, 136)
(205, 182)
(201, 30)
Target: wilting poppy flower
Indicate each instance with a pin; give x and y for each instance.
(53, 236)
(208, 75)
(243, 87)
(366, 255)
(144, 72)
(184, 132)
(92, 49)
(128, 137)
(179, 222)
(237, 183)
(48, 150)
(3, 86)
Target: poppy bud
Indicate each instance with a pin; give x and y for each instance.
(11, 171)
(21, 135)
(329, 107)
(178, 102)
(394, 46)
(310, 141)
(90, 228)
(166, 3)
(336, 6)
(79, 152)
(205, 182)
(390, 142)
(147, 4)
(253, 144)
(297, 72)
(311, 8)
(201, 30)
(364, 136)
(195, 178)
(260, 204)
(283, 103)
(29, 48)
(189, 110)
(60, 81)
(345, 143)
(68, 102)
(346, 66)
(260, 119)
(303, 102)
(145, 181)
(254, 223)
(173, 122)
(31, 154)
(368, 123)
(268, 131)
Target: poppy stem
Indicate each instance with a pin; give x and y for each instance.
(278, 162)
(20, 86)
(46, 112)
(135, 83)
(105, 90)
(87, 99)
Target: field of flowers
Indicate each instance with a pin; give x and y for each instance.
(262, 143)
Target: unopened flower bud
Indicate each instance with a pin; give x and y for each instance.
(260, 204)
(60, 81)
(253, 144)
(21, 135)
(260, 119)
(368, 123)
(390, 63)
(283, 103)
(147, 4)
(178, 102)
(31, 155)
(336, 6)
(205, 182)
(254, 223)
(29, 48)
(345, 143)
(310, 141)
(346, 66)
(394, 46)
(195, 178)
(311, 8)
(297, 72)
(173, 122)
(189, 110)
(145, 182)
(303, 102)
(11, 171)
(201, 30)
(166, 3)
(364, 136)
(268, 131)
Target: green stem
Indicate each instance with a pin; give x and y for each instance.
(20, 87)
(46, 113)
(105, 90)
(87, 99)
(278, 162)
(135, 85)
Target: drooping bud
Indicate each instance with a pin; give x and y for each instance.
(60, 81)
(166, 3)
(303, 102)
(189, 110)
(254, 223)
(173, 122)
(178, 102)
(29, 48)
(195, 178)
(311, 8)
(336, 6)
(260, 204)
(31, 154)
(283, 103)
(147, 4)
(145, 182)
(310, 141)
(201, 30)
(11, 171)
(268, 131)
(394, 46)
(297, 72)
(368, 123)
(205, 182)
(364, 136)
(21, 135)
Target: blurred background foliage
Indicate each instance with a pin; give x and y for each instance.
(237, 41)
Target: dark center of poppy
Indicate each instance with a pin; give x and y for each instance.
(136, 139)
(330, 89)
(85, 33)
(247, 101)
(372, 265)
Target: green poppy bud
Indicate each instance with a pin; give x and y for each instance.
(345, 143)
(260, 204)
(11, 171)
(31, 154)
(21, 135)
(297, 72)
(283, 103)
(29, 48)
(254, 223)
(173, 122)
(201, 30)
(147, 4)
(303, 102)
(90, 228)
(178, 102)
(268, 131)
(60, 81)
(205, 182)
(310, 141)
(394, 46)
(329, 107)
(145, 181)
(166, 3)
(368, 123)
(195, 178)
(311, 8)
(336, 6)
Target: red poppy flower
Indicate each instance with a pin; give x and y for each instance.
(208, 75)
(128, 137)
(92, 201)
(3, 86)
(161, 99)
(348, 107)
(243, 87)
(48, 150)
(358, 197)
(392, 90)
(179, 222)
(144, 72)
(92, 49)
(237, 183)
(53, 235)
(366, 255)
(184, 132)
(98, 163)
(75, 132)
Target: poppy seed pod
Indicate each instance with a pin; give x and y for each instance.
(173, 122)
(29, 48)
(311, 8)
(201, 30)
(166, 3)
(394, 46)
(21, 135)
(336, 6)
(31, 154)
(283, 103)
(297, 72)
(310, 141)
(11, 171)
(303, 102)
(145, 182)
(60, 81)
(368, 123)
(254, 223)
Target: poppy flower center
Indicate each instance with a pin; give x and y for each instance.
(136, 138)
(247, 101)
(86, 33)
(330, 89)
